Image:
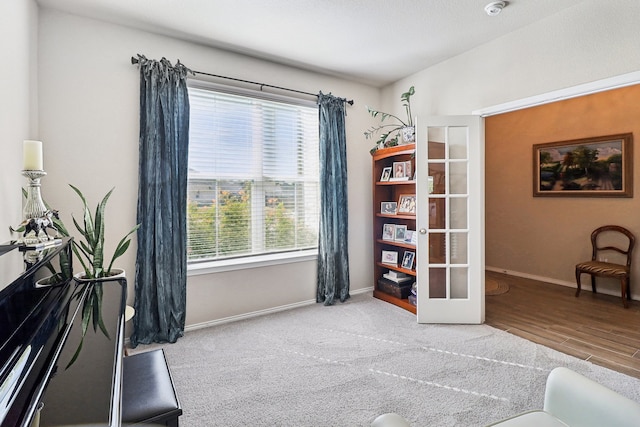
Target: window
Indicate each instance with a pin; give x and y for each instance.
(253, 185)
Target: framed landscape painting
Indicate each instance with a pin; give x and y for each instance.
(590, 167)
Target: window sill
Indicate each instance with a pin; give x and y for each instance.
(209, 267)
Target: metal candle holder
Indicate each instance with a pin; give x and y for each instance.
(34, 207)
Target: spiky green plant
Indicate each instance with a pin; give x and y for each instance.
(90, 252)
(388, 129)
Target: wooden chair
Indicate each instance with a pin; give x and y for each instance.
(599, 266)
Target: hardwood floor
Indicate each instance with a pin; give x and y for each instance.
(593, 327)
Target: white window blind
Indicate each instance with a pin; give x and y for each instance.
(253, 184)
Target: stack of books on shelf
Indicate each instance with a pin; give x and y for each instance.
(396, 284)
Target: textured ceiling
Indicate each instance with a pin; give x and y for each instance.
(373, 41)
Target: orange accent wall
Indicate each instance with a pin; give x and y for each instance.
(547, 236)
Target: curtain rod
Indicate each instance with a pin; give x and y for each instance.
(135, 60)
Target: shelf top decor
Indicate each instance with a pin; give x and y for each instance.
(393, 133)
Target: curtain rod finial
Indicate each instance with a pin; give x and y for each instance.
(134, 60)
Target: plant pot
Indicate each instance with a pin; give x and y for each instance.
(51, 281)
(115, 274)
(408, 134)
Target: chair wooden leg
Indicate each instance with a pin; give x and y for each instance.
(625, 293)
(578, 273)
(593, 283)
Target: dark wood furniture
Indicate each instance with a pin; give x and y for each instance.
(50, 371)
(606, 240)
(390, 191)
(54, 372)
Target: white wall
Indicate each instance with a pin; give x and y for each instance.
(584, 43)
(89, 122)
(588, 42)
(89, 119)
(18, 118)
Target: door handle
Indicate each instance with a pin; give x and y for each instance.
(423, 231)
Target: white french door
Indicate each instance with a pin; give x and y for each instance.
(450, 220)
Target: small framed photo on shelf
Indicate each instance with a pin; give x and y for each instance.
(400, 171)
(390, 257)
(407, 170)
(386, 174)
(410, 237)
(407, 204)
(389, 208)
(400, 232)
(407, 260)
(388, 231)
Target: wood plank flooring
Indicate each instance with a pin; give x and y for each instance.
(593, 327)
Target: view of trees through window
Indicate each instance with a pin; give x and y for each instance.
(253, 176)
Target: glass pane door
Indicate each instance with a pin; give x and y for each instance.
(450, 220)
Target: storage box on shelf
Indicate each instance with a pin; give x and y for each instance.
(394, 249)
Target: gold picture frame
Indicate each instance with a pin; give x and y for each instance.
(589, 167)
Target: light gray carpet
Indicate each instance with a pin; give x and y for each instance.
(346, 364)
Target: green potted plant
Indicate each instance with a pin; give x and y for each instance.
(90, 253)
(392, 132)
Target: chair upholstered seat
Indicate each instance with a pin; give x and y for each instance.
(603, 268)
(601, 245)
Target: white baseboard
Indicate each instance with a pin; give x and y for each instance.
(551, 280)
(532, 277)
(370, 289)
(263, 312)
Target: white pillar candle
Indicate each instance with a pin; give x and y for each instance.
(32, 155)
